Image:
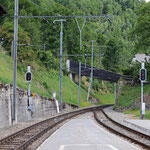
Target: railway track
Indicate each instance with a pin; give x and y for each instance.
(132, 135)
(24, 138)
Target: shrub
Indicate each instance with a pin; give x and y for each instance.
(45, 85)
(133, 71)
(48, 59)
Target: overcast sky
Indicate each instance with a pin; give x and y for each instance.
(147, 0)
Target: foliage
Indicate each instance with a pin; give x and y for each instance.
(112, 55)
(130, 94)
(7, 33)
(111, 32)
(96, 85)
(134, 69)
(47, 59)
(44, 81)
(136, 113)
(43, 32)
(141, 32)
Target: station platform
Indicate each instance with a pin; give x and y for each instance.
(140, 125)
(129, 120)
(83, 133)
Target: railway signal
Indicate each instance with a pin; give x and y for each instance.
(143, 74)
(28, 76)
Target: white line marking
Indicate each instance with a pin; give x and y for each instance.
(62, 147)
(113, 135)
(112, 147)
(70, 145)
(76, 145)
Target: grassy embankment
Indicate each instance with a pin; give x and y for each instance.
(45, 82)
(129, 95)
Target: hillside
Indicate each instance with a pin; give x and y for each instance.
(111, 32)
(130, 99)
(45, 81)
(117, 38)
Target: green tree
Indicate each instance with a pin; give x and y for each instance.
(7, 33)
(112, 55)
(40, 31)
(141, 32)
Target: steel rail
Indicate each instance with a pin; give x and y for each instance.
(128, 137)
(24, 138)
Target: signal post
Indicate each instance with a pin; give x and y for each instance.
(28, 78)
(143, 77)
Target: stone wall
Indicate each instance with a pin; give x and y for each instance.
(5, 110)
(42, 106)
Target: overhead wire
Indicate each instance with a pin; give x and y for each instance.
(46, 10)
(40, 6)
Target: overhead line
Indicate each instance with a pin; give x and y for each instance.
(80, 55)
(103, 16)
(41, 6)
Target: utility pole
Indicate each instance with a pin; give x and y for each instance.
(15, 60)
(61, 43)
(80, 29)
(90, 86)
(142, 104)
(115, 93)
(92, 68)
(100, 55)
(85, 57)
(12, 49)
(79, 81)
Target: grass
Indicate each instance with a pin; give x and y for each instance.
(130, 94)
(6, 73)
(136, 112)
(44, 82)
(107, 98)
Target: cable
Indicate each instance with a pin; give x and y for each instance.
(46, 20)
(40, 6)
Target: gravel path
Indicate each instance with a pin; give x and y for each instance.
(4, 132)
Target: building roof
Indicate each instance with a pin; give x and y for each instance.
(2, 10)
(141, 58)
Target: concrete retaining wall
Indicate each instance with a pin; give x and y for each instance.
(42, 107)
